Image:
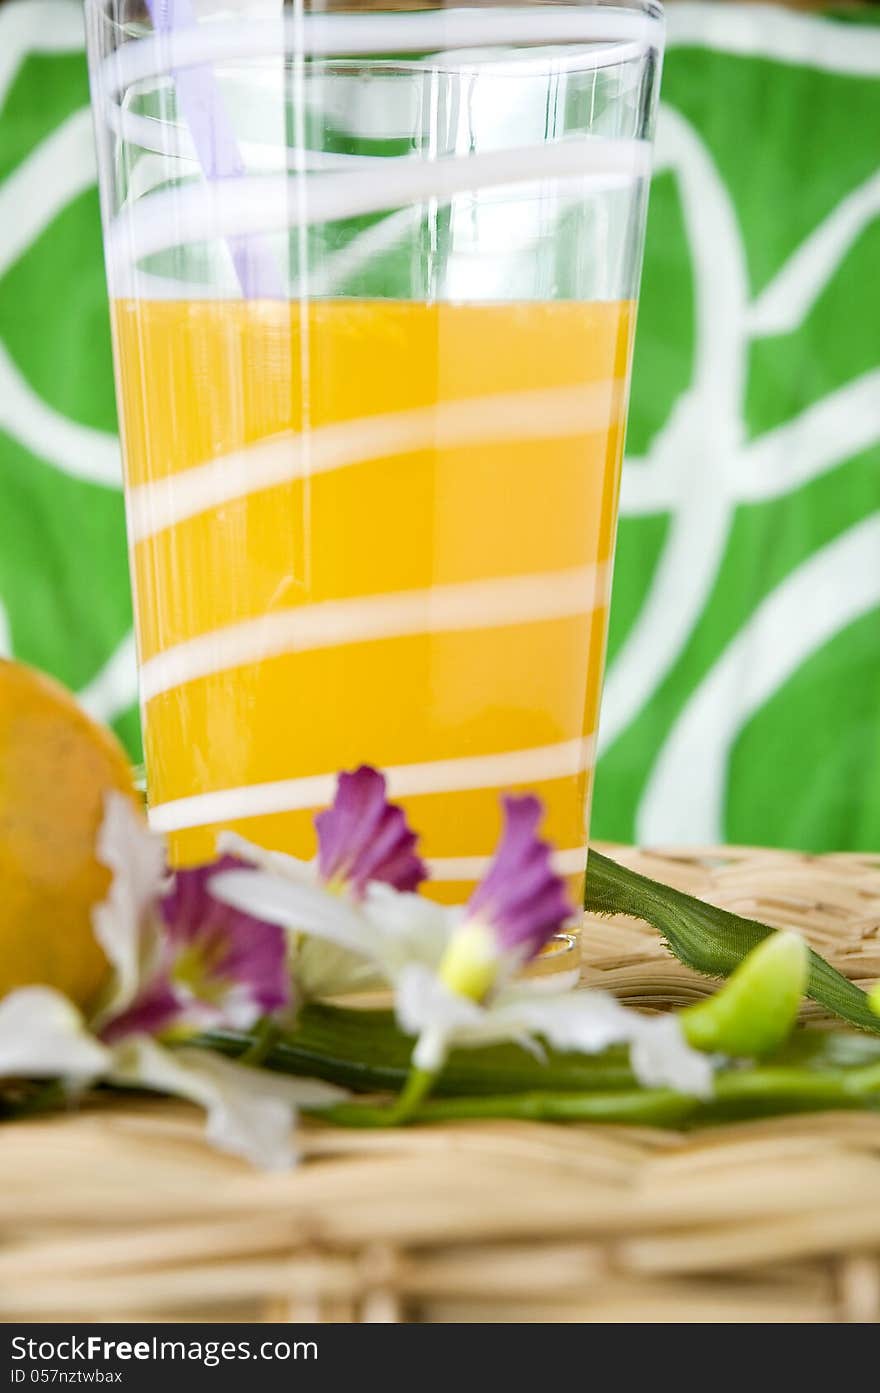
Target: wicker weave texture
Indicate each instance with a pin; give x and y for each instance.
(122, 1213)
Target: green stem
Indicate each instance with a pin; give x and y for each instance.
(415, 1091)
(739, 1093)
(656, 1108)
(264, 1039)
(366, 1052)
(393, 1114)
(45, 1097)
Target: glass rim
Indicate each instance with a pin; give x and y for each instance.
(653, 8)
(252, 202)
(338, 33)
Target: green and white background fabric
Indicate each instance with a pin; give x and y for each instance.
(743, 689)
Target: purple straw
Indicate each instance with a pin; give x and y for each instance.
(201, 105)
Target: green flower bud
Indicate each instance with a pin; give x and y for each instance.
(754, 1012)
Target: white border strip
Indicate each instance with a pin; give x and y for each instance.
(551, 413)
(405, 780)
(571, 861)
(481, 604)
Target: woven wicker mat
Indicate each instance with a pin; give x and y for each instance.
(122, 1213)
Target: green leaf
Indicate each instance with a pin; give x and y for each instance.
(366, 1051)
(712, 940)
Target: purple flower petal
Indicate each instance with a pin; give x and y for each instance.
(521, 898)
(364, 838)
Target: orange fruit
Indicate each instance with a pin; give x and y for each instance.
(56, 767)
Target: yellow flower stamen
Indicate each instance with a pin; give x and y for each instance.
(470, 964)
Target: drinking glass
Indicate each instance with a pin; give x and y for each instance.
(373, 275)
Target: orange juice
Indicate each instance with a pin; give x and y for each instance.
(371, 531)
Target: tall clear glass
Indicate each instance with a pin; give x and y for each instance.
(373, 273)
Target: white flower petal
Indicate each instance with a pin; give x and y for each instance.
(42, 1035)
(586, 1020)
(231, 844)
(431, 1050)
(136, 859)
(375, 939)
(408, 928)
(251, 1112)
(441, 1019)
(427, 1008)
(423, 1002)
(297, 907)
(661, 1058)
(590, 1021)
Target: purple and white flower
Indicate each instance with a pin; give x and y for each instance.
(514, 912)
(452, 970)
(530, 1013)
(366, 849)
(181, 962)
(184, 961)
(212, 965)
